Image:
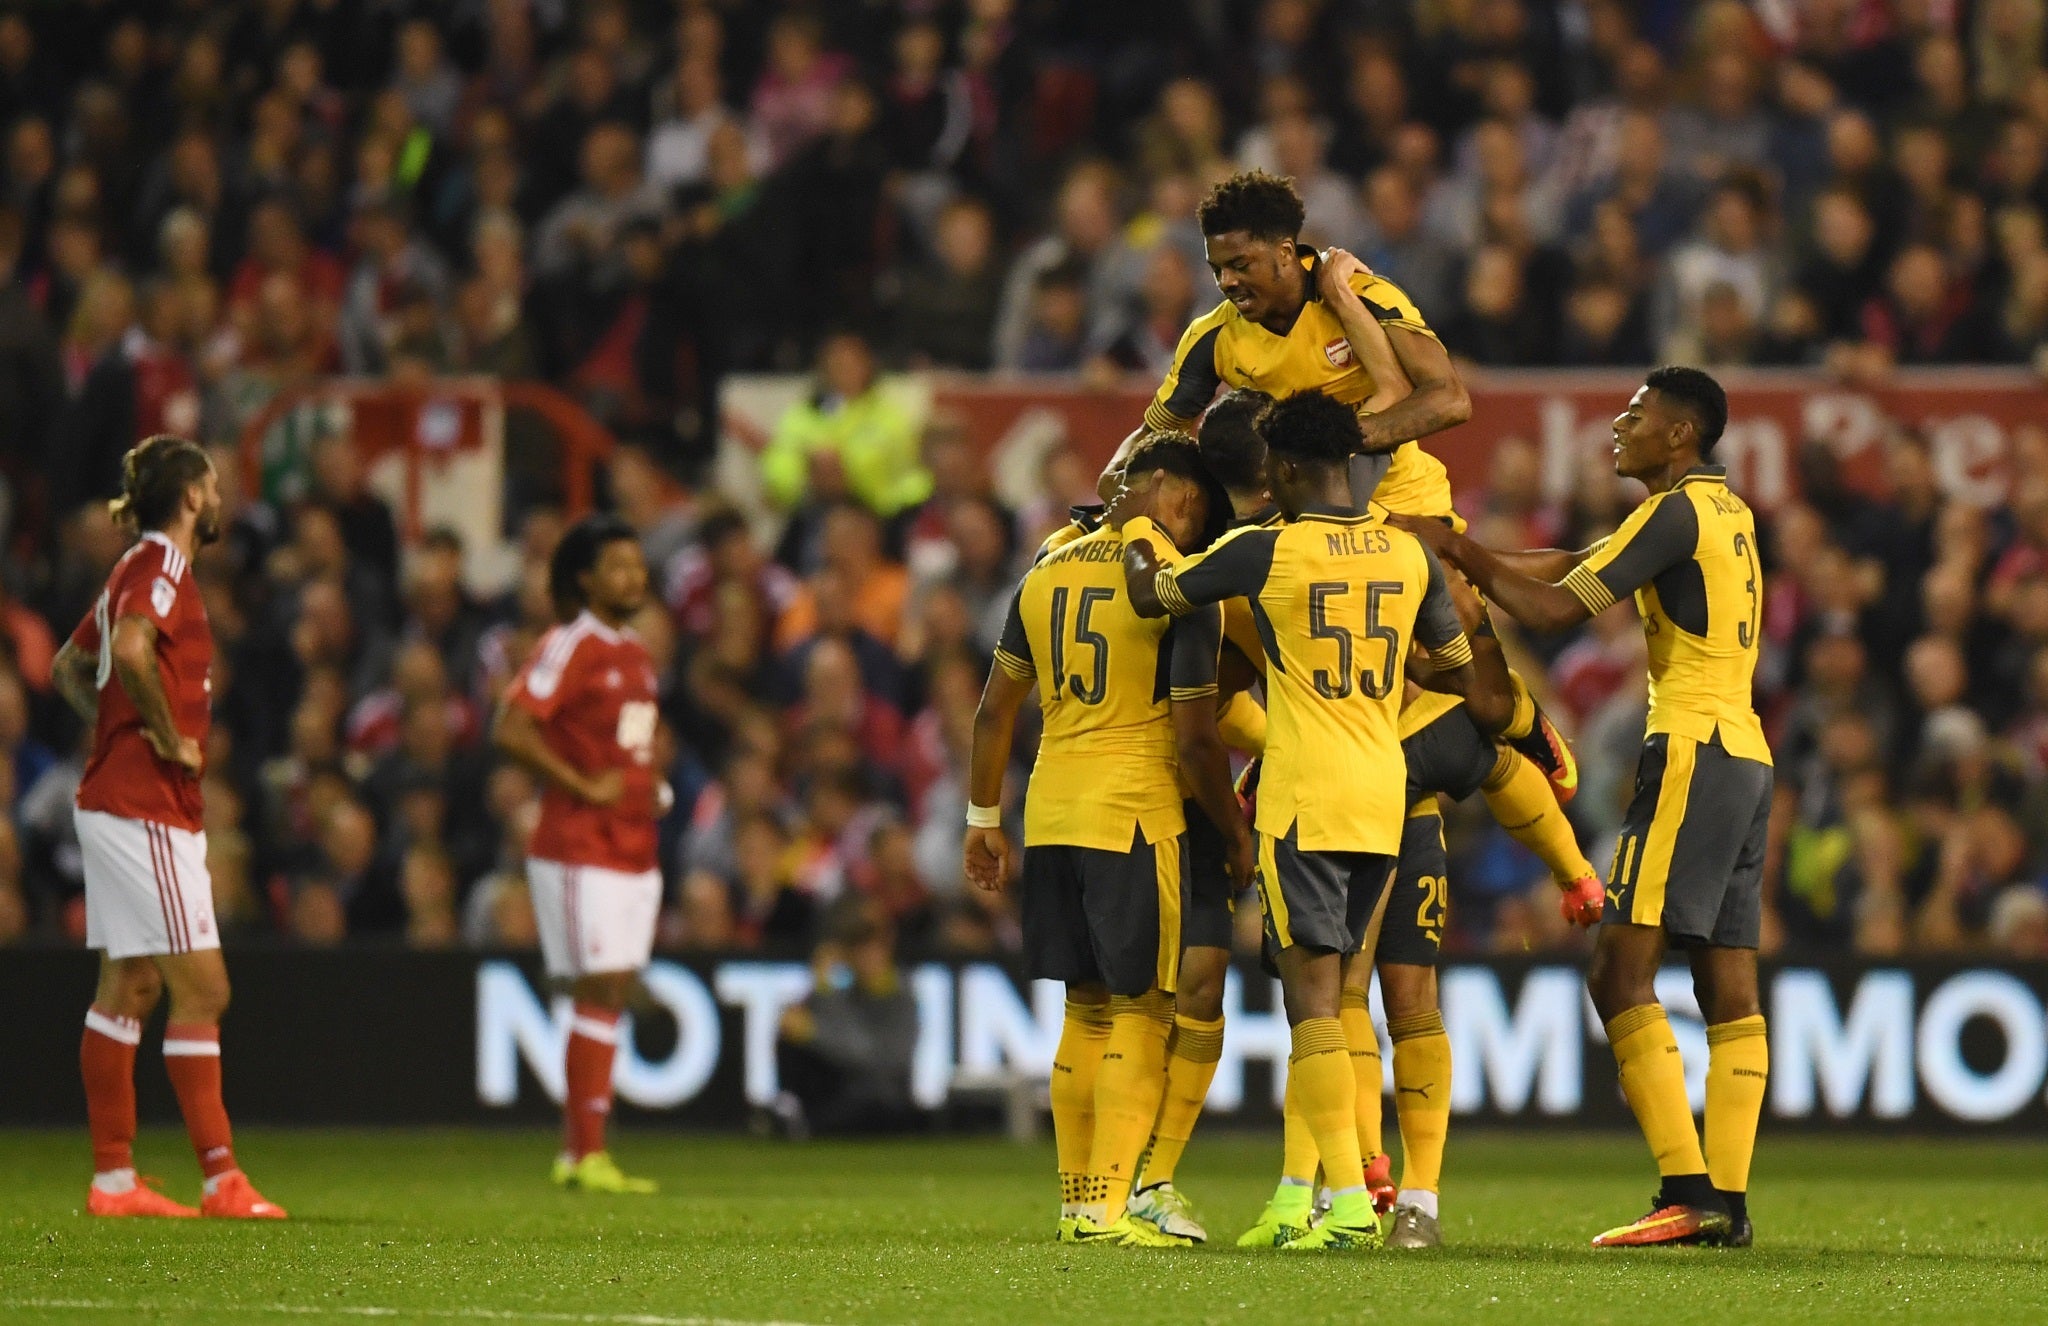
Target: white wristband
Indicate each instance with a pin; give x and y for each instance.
(984, 817)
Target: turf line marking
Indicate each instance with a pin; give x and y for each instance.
(359, 1310)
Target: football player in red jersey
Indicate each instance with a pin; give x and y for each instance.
(582, 715)
(136, 670)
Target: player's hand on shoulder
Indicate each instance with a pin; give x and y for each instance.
(605, 787)
(986, 858)
(1338, 267)
(1433, 533)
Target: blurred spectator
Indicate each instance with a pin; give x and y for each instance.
(792, 103)
(1400, 247)
(843, 1055)
(948, 305)
(688, 109)
(848, 437)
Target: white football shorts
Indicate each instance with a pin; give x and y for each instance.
(147, 890)
(593, 920)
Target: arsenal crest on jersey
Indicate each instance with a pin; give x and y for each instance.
(1338, 352)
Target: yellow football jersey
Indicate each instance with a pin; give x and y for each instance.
(1223, 348)
(1337, 600)
(1689, 556)
(1107, 761)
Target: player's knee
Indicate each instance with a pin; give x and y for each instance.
(1199, 992)
(1615, 988)
(1407, 991)
(132, 989)
(1088, 994)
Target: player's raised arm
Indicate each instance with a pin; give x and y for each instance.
(1196, 641)
(1234, 567)
(1369, 340)
(1439, 399)
(1011, 678)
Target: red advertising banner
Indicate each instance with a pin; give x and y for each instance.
(1977, 422)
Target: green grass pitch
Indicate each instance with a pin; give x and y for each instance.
(462, 1226)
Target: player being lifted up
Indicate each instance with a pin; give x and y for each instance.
(1688, 869)
(136, 671)
(1130, 709)
(582, 715)
(1294, 320)
(1448, 753)
(1338, 598)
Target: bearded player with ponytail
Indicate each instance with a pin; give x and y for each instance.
(136, 671)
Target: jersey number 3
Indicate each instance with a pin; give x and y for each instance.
(1335, 683)
(1745, 632)
(1091, 690)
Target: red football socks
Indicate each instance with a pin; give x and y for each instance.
(587, 1102)
(106, 1060)
(192, 1058)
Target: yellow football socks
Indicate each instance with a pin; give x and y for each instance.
(1191, 1060)
(1738, 1066)
(1127, 1095)
(1422, 1097)
(1523, 721)
(1521, 799)
(1356, 1019)
(1320, 1069)
(1083, 1036)
(1653, 1079)
(1298, 1154)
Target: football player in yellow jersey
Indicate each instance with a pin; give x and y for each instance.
(1286, 326)
(1688, 870)
(1294, 320)
(1337, 599)
(1130, 717)
(1207, 923)
(1446, 753)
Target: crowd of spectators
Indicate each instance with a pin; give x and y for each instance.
(202, 205)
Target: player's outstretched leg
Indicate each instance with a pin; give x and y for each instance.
(585, 1162)
(1531, 733)
(1192, 1053)
(1738, 1069)
(128, 991)
(1686, 1207)
(1523, 803)
(1075, 1066)
(198, 984)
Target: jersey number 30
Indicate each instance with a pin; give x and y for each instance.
(1335, 683)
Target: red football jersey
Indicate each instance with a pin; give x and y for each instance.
(593, 690)
(123, 776)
